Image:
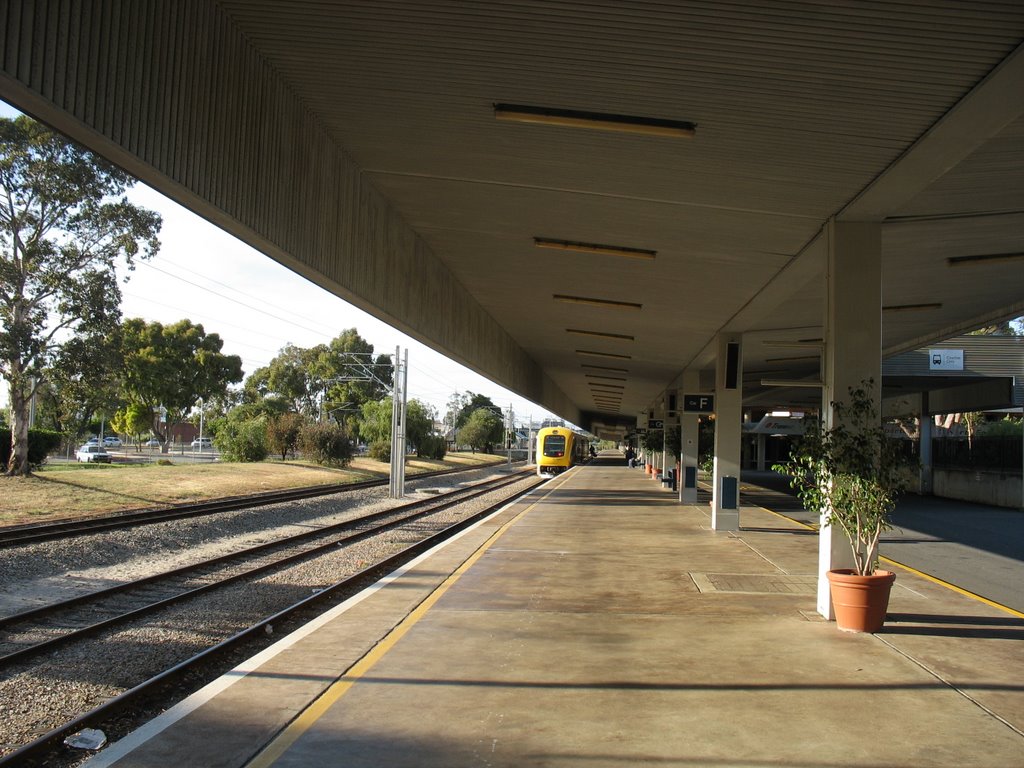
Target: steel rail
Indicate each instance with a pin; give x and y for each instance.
(38, 751)
(423, 507)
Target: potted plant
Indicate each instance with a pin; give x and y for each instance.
(853, 474)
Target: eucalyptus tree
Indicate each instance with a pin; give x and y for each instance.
(63, 226)
(169, 368)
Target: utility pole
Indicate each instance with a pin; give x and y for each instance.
(511, 431)
(398, 403)
(529, 442)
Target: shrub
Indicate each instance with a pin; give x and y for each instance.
(326, 443)
(380, 450)
(283, 432)
(41, 442)
(243, 440)
(431, 447)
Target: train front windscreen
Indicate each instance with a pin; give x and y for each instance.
(554, 446)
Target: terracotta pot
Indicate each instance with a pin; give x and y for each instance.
(860, 602)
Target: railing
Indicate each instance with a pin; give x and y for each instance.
(1000, 454)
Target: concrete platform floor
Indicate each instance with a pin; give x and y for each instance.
(599, 623)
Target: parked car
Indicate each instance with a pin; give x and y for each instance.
(112, 442)
(202, 443)
(152, 442)
(94, 454)
(93, 441)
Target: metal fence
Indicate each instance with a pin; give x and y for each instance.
(994, 453)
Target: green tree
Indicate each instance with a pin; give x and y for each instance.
(326, 443)
(82, 383)
(351, 375)
(419, 422)
(483, 429)
(290, 377)
(173, 366)
(62, 227)
(241, 439)
(472, 405)
(375, 421)
(283, 432)
(329, 380)
(133, 419)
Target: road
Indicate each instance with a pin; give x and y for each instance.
(973, 546)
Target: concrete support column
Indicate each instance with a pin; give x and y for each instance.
(761, 442)
(852, 354)
(690, 425)
(925, 446)
(725, 503)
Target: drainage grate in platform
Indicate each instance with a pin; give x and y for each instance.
(757, 583)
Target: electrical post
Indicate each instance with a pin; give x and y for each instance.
(398, 402)
(509, 434)
(529, 442)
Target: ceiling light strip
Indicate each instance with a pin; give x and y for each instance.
(601, 334)
(603, 368)
(601, 376)
(592, 353)
(959, 261)
(598, 248)
(590, 301)
(911, 307)
(602, 121)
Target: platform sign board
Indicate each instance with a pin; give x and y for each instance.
(945, 360)
(699, 403)
(655, 423)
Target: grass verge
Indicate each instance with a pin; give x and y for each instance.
(71, 490)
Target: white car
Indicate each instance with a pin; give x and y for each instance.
(112, 442)
(202, 444)
(93, 454)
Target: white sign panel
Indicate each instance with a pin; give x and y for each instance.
(779, 425)
(945, 360)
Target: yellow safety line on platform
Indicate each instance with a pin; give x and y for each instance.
(922, 574)
(308, 717)
(955, 588)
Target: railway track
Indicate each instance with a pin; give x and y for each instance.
(47, 750)
(46, 627)
(26, 534)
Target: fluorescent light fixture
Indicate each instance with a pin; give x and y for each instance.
(599, 376)
(604, 368)
(601, 334)
(803, 343)
(592, 302)
(603, 354)
(958, 261)
(604, 250)
(911, 307)
(792, 383)
(602, 121)
(792, 359)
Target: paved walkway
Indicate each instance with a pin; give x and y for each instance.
(599, 624)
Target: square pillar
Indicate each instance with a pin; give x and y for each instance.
(689, 423)
(725, 503)
(852, 353)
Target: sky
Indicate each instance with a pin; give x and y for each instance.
(258, 306)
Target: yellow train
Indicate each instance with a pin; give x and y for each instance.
(558, 449)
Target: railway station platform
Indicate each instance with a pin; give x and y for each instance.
(597, 622)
